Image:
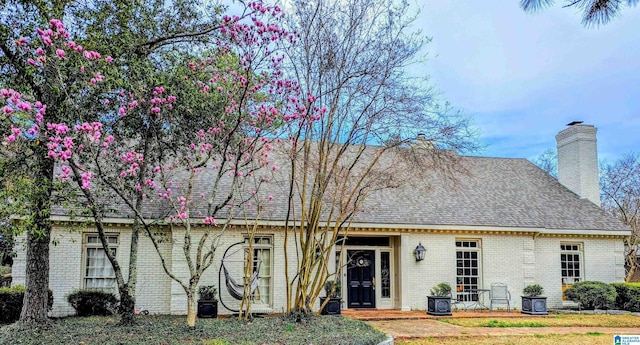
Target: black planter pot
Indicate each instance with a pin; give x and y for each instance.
(439, 305)
(333, 306)
(534, 305)
(207, 308)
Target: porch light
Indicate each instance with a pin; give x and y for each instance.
(419, 252)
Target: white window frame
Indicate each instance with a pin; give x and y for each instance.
(266, 270)
(568, 272)
(92, 249)
(462, 287)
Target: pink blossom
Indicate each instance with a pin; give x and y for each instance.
(32, 62)
(11, 138)
(7, 109)
(66, 171)
(155, 110)
(108, 59)
(56, 23)
(86, 178)
(122, 111)
(60, 53)
(26, 106)
(40, 51)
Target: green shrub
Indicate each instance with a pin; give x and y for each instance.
(592, 294)
(628, 296)
(11, 303)
(533, 290)
(208, 292)
(441, 290)
(93, 302)
(329, 285)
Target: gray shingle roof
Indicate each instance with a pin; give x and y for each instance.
(495, 192)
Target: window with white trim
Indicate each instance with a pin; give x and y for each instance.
(262, 261)
(468, 255)
(98, 272)
(570, 265)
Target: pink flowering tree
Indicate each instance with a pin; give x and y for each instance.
(147, 145)
(143, 40)
(29, 117)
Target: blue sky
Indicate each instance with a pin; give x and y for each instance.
(523, 77)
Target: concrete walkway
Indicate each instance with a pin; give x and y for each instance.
(417, 324)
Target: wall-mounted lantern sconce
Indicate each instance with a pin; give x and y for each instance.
(419, 252)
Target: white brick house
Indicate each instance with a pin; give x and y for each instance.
(506, 221)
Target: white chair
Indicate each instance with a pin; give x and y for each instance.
(499, 294)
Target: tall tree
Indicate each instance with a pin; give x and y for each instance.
(141, 38)
(594, 12)
(620, 183)
(353, 129)
(146, 146)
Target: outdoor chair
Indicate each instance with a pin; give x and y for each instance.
(499, 294)
(455, 302)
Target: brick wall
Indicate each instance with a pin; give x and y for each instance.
(516, 260)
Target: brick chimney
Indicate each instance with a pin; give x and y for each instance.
(578, 160)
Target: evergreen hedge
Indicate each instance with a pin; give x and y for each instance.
(11, 303)
(592, 294)
(93, 302)
(628, 296)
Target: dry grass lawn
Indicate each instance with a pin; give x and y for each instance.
(561, 320)
(551, 339)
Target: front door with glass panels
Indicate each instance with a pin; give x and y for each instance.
(361, 278)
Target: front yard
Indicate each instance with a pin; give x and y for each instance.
(558, 320)
(172, 330)
(535, 339)
(572, 329)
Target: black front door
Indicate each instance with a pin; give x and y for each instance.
(361, 278)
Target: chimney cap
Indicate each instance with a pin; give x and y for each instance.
(572, 123)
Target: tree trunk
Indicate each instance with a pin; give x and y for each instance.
(34, 306)
(127, 306)
(128, 292)
(191, 310)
